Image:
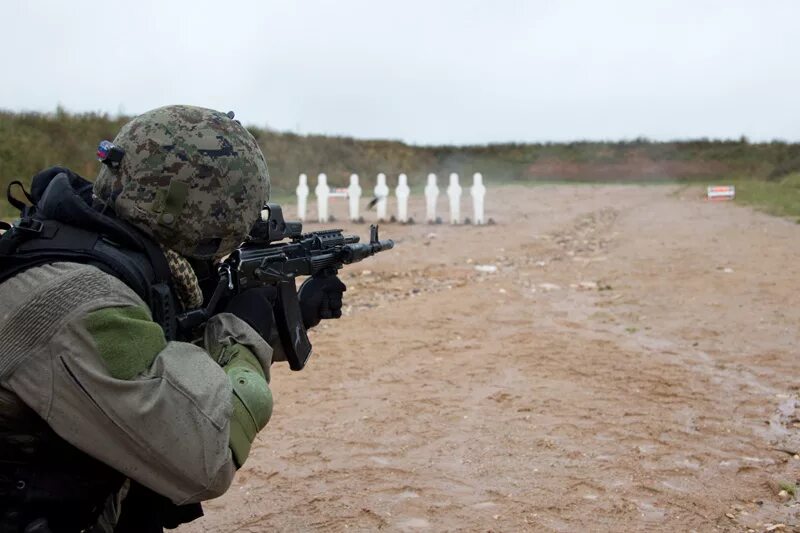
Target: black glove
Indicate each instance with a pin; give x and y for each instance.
(320, 297)
(254, 306)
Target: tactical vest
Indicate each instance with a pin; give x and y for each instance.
(47, 485)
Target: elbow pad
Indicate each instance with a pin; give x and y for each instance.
(252, 401)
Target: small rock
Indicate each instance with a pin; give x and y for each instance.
(727, 270)
(541, 263)
(730, 515)
(588, 285)
(783, 494)
(774, 527)
(366, 272)
(502, 291)
(486, 269)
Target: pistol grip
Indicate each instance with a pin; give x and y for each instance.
(289, 322)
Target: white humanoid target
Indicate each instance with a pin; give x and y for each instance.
(431, 195)
(381, 194)
(323, 192)
(353, 197)
(478, 192)
(302, 196)
(402, 192)
(454, 193)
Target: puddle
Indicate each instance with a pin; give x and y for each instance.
(484, 505)
(780, 423)
(650, 512)
(414, 523)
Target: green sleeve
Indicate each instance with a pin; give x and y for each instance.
(252, 399)
(127, 339)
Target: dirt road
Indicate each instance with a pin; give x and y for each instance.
(631, 365)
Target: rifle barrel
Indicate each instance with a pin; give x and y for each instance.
(353, 253)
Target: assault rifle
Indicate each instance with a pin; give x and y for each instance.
(275, 253)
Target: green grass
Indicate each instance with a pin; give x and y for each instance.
(781, 198)
(30, 142)
(790, 488)
(7, 211)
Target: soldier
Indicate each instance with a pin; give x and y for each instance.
(109, 421)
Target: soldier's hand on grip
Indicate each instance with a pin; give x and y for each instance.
(320, 298)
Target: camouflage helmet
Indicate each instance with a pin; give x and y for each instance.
(192, 178)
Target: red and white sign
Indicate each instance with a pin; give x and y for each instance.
(721, 192)
(338, 192)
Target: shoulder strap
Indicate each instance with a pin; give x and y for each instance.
(21, 206)
(161, 296)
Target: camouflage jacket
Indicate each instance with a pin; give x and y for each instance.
(80, 349)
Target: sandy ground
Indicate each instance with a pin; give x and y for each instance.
(631, 366)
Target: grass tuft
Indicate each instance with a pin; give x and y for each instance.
(781, 197)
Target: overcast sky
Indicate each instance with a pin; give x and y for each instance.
(450, 71)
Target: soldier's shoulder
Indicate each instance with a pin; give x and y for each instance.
(61, 287)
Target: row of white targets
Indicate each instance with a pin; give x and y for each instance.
(324, 192)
